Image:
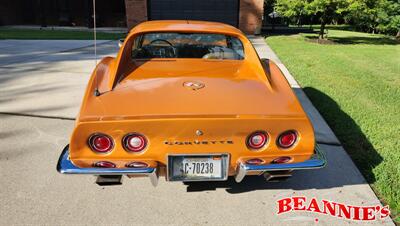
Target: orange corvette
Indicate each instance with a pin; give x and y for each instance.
(191, 101)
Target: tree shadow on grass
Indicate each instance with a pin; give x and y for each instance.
(340, 170)
(354, 40)
(285, 31)
(348, 132)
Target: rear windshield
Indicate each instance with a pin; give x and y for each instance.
(187, 45)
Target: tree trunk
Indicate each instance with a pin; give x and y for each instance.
(322, 30)
(398, 35)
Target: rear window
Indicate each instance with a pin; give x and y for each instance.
(187, 45)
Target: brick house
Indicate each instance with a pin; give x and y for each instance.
(244, 14)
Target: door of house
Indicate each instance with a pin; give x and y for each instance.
(225, 11)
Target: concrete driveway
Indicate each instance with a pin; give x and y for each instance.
(41, 86)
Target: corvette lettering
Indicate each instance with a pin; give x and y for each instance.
(198, 142)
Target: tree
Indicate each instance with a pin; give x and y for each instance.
(325, 10)
(363, 14)
(366, 15)
(294, 10)
(375, 15)
(389, 17)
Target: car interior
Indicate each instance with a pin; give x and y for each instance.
(187, 45)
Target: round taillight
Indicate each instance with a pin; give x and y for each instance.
(257, 140)
(134, 142)
(101, 143)
(104, 164)
(137, 165)
(287, 139)
(282, 159)
(255, 161)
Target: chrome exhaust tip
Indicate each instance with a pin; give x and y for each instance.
(277, 176)
(109, 180)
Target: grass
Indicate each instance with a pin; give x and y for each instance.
(16, 33)
(354, 82)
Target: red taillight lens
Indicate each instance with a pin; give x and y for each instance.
(134, 142)
(101, 143)
(104, 164)
(287, 139)
(282, 159)
(137, 165)
(255, 161)
(257, 140)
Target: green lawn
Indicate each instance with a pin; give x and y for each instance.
(16, 33)
(354, 82)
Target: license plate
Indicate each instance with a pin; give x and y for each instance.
(197, 167)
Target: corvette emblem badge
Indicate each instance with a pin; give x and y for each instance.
(194, 85)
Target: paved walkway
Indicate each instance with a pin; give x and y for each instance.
(48, 78)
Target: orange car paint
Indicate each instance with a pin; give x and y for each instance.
(148, 96)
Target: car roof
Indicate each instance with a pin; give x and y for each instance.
(185, 26)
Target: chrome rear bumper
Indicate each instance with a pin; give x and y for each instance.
(317, 161)
(65, 166)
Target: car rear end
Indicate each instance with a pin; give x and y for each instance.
(192, 148)
(191, 102)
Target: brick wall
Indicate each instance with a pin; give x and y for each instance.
(250, 16)
(136, 12)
